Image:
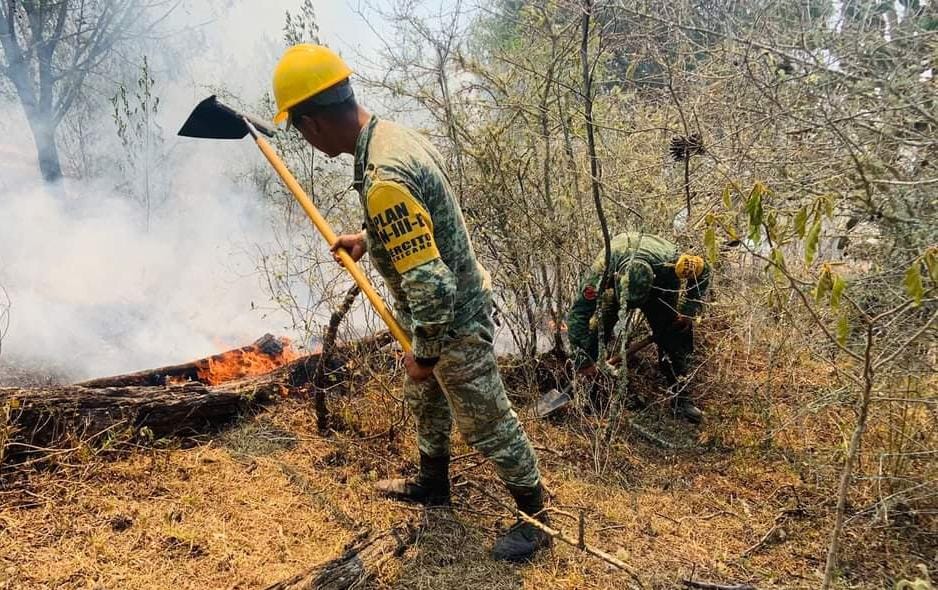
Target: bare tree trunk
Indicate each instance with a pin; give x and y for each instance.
(46, 151)
(450, 119)
(41, 120)
(553, 296)
(853, 452)
(590, 134)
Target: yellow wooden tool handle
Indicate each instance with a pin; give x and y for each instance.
(323, 226)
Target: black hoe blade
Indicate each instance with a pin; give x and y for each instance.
(212, 119)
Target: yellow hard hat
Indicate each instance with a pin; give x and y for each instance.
(688, 266)
(304, 71)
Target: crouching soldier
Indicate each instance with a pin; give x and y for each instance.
(648, 273)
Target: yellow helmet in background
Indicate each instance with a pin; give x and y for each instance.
(304, 71)
(688, 266)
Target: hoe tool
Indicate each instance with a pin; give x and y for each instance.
(556, 399)
(213, 120)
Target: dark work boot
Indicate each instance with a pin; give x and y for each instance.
(430, 487)
(523, 539)
(684, 408)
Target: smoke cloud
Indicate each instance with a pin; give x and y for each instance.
(94, 290)
(95, 293)
(97, 290)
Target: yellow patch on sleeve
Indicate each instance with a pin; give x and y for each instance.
(403, 225)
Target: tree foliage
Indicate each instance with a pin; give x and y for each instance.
(816, 123)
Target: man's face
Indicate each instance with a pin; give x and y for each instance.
(317, 132)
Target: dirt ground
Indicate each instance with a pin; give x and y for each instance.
(733, 501)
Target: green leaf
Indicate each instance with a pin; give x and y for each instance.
(824, 284)
(810, 244)
(771, 224)
(843, 329)
(756, 213)
(710, 244)
(801, 222)
(837, 290)
(913, 283)
(778, 263)
(731, 231)
(931, 263)
(727, 197)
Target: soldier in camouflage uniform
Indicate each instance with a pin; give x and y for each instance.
(652, 275)
(417, 240)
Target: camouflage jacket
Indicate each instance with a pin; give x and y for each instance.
(417, 238)
(643, 269)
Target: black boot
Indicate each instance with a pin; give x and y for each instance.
(430, 487)
(681, 404)
(523, 540)
(684, 408)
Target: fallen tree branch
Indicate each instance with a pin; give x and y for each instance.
(652, 437)
(328, 347)
(47, 417)
(267, 346)
(359, 562)
(52, 416)
(776, 534)
(297, 372)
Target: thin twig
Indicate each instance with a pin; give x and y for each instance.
(561, 536)
(766, 538)
(714, 586)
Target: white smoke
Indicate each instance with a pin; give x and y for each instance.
(95, 293)
(94, 290)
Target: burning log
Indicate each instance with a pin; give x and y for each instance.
(360, 562)
(173, 400)
(266, 354)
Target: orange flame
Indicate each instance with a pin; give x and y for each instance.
(259, 358)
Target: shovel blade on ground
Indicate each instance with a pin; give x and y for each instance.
(550, 402)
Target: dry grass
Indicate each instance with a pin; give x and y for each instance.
(268, 498)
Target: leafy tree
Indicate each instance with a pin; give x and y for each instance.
(811, 189)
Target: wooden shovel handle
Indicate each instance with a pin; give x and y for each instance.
(323, 226)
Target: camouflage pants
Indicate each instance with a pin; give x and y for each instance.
(472, 392)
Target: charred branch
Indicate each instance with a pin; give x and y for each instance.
(268, 346)
(360, 562)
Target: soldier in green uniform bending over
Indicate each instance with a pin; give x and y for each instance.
(417, 240)
(650, 274)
